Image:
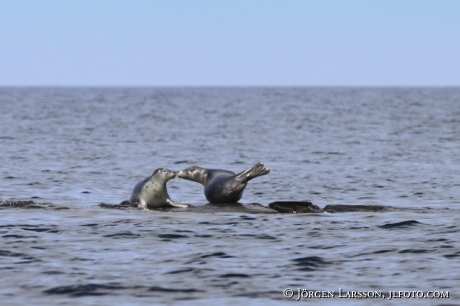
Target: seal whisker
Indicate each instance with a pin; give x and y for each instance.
(175, 180)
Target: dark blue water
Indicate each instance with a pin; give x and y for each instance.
(68, 150)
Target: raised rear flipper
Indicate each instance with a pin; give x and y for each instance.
(255, 171)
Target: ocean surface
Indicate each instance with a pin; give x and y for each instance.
(70, 149)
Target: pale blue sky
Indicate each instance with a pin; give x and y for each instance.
(229, 43)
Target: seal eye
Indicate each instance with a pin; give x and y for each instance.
(164, 170)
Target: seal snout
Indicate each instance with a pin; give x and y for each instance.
(181, 174)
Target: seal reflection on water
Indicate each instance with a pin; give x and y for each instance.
(152, 193)
(222, 186)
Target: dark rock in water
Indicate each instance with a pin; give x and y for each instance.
(127, 203)
(28, 204)
(402, 224)
(286, 207)
(122, 205)
(335, 208)
(20, 204)
(253, 208)
(294, 207)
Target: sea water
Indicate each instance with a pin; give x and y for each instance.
(69, 149)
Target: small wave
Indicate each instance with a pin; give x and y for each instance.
(415, 251)
(84, 290)
(229, 275)
(123, 235)
(403, 224)
(310, 263)
(218, 255)
(171, 236)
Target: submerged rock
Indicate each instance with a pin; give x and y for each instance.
(336, 208)
(20, 204)
(28, 204)
(254, 208)
(285, 207)
(122, 205)
(294, 207)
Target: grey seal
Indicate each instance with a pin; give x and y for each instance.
(222, 186)
(152, 193)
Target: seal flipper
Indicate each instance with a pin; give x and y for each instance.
(255, 171)
(174, 204)
(142, 204)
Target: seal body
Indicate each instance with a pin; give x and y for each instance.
(152, 193)
(222, 186)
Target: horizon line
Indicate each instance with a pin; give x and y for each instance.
(229, 86)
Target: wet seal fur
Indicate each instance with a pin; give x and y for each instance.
(222, 186)
(152, 193)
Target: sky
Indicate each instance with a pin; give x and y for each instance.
(230, 43)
